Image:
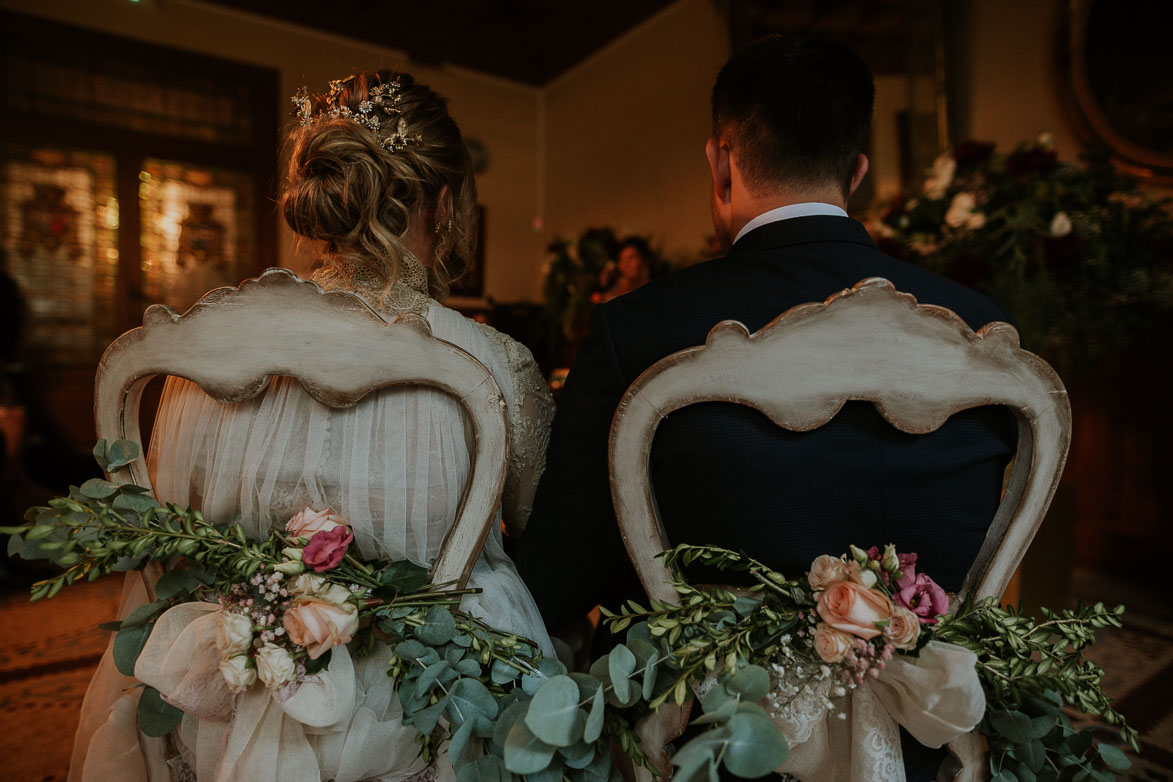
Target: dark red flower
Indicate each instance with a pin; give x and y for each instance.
(326, 549)
(971, 153)
(1029, 161)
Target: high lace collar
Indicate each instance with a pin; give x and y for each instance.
(411, 291)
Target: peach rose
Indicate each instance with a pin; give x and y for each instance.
(830, 644)
(854, 609)
(826, 570)
(319, 625)
(905, 628)
(309, 522)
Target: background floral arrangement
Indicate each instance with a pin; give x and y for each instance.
(1080, 258)
(578, 269)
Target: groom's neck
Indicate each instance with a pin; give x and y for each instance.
(749, 202)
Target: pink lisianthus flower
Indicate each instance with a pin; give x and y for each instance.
(326, 549)
(923, 597)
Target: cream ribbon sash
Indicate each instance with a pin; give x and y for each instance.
(256, 735)
(936, 697)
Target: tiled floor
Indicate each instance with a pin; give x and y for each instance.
(43, 676)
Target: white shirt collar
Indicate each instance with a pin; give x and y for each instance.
(789, 211)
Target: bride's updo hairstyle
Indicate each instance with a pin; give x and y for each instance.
(367, 168)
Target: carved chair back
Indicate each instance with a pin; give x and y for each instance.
(234, 340)
(919, 364)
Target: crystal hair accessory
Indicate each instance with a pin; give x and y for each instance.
(380, 109)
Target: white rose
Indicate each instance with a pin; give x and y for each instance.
(826, 570)
(234, 633)
(316, 586)
(1060, 225)
(305, 584)
(237, 671)
(275, 666)
(941, 176)
(960, 209)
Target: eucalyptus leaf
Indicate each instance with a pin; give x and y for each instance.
(143, 614)
(752, 682)
(469, 667)
(488, 768)
(128, 643)
(1014, 726)
(119, 454)
(621, 664)
(98, 489)
(468, 699)
(100, 454)
(509, 715)
(546, 668)
(431, 674)
(1113, 758)
(458, 747)
(439, 627)
(139, 503)
(744, 606)
(156, 717)
(553, 715)
(552, 773)
(579, 755)
(503, 673)
(594, 722)
(404, 576)
(426, 718)
(525, 753)
(756, 745)
(176, 582)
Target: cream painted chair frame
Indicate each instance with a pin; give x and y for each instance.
(918, 363)
(234, 340)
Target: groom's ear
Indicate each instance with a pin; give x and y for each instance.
(861, 170)
(718, 155)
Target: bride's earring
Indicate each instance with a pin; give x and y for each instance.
(443, 227)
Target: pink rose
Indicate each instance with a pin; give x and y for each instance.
(854, 609)
(319, 626)
(904, 630)
(830, 644)
(308, 522)
(326, 550)
(923, 597)
(826, 570)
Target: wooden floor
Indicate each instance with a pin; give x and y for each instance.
(50, 649)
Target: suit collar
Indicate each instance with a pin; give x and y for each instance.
(803, 230)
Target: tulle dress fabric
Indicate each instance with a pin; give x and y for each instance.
(395, 466)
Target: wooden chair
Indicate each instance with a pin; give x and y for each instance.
(918, 363)
(233, 340)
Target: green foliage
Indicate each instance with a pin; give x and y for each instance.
(1076, 253)
(508, 713)
(577, 270)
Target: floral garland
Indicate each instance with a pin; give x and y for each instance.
(755, 656)
(1077, 254)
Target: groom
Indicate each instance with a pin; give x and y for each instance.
(790, 120)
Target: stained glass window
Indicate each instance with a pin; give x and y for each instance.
(60, 218)
(197, 230)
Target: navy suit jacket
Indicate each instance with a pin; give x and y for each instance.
(725, 474)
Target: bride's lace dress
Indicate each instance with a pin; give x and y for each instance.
(395, 465)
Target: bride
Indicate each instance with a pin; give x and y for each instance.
(379, 179)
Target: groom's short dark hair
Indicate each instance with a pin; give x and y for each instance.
(794, 110)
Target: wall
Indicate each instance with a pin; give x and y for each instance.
(625, 131)
(1012, 82)
(501, 113)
